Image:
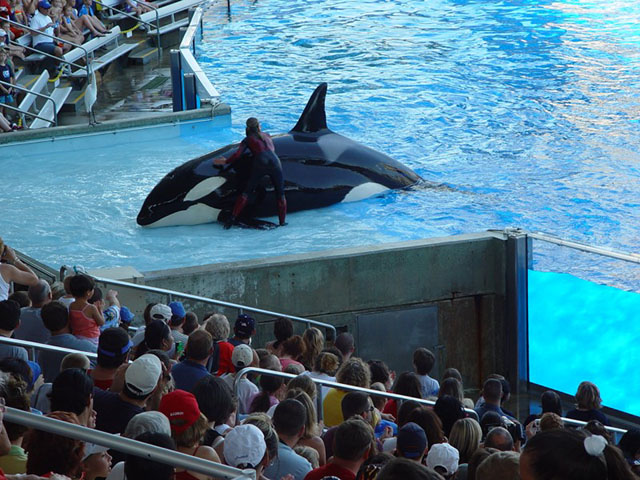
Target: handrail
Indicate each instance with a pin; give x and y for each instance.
(580, 423)
(172, 293)
(37, 266)
(627, 257)
(24, 112)
(44, 346)
(127, 445)
(60, 59)
(37, 94)
(339, 386)
(137, 19)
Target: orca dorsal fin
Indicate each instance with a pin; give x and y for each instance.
(313, 118)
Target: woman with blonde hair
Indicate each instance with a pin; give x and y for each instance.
(314, 343)
(324, 368)
(312, 430)
(352, 372)
(188, 426)
(588, 404)
(466, 435)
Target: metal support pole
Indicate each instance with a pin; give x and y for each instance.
(176, 81)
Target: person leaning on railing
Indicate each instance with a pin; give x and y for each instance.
(12, 269)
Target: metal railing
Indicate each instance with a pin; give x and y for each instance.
(24, 112)
(579, 423)
(57, 39)
(241, 308)
(628, 257)
(43, 346)
(137, 19)
(127, 445)
(339, 386)
(37, 94)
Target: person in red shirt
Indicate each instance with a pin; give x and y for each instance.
(353, 443)
(265, 163)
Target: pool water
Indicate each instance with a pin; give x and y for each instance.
(515, 113)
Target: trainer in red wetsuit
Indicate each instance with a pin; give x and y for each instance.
(265, 163)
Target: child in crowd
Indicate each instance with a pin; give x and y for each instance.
(18, 12)
(88, 19)
(138, 6)
(423, 362)
(96, 462)
(8, 37)
(7, 76)
(85, 319)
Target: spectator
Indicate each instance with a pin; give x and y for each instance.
(572, 455)
(216, 402)
(353, 443)
(550, 402)
(311, 437)
(630, 446)
(96, 462)
(492, 395)
(187, 373)
(72, 392)
(289, 421)
(271, 391)
(271, 362)
(588, 404)
(157, 336)
(500, 439)
(110, 310)
(244, 329)
(178, 316)
(114, 410)
(85, 319)
(114, 347)
(412, 442)
(89, 19)
(13, 270)
(401, 468)
(313, 345)
(58, 292)
(242, 357)
(452, 387)
(245, 447)
(21, 298)
(14, 392)
(141, 468)
(56, 318)
(476, 459)
(371, 467)
(31, 327)
(430, 423)
(423, 362)
(380, 374)
(345, 345)
(190, 324)
(449, 409)
(9, 321)
(153, 311)
(443, 458)
(550, 421)
(41, 400)
(292, 351)
(502, 465)
(466, 435)
(49, 452)
(311, 454)
(220, 362)
(282, 330)
(354, 404)
(352, 372)
(188, 426)
(504, 397)
(406, 384)
(67, 299)
(126, 317)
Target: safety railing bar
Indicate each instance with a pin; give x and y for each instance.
(37, 94)
(628, 257)
(212, 301)
(37, 267)
(24, 112)
(126, 14)
(61, 59)
(126, 445)
(43, 346)
(191, 29)
(580, 423)
(339, 386)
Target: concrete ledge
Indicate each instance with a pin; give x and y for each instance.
(209, 111)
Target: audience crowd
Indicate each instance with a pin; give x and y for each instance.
(175, 385)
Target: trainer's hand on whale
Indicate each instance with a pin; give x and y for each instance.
(220, 161)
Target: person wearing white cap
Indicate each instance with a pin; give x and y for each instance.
(443, 458)
(114, 410)
(96, 462)
(245, 447)
(243, 356)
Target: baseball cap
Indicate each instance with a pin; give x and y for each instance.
(44, 4)
(160, 311)
(245, 325)
(412, 441)
(181, 408)
(177, 309)
(242, 356)
(244, 446)
(114, 342)
(92, 449)
(142, 375)
(36, 371)
(126, 315)
(445, 456)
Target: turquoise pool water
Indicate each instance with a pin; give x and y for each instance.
(515, 113)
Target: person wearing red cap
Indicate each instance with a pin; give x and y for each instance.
(188, 426)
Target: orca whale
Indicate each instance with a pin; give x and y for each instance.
(320, 168)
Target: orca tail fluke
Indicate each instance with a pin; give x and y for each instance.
(313, 118)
